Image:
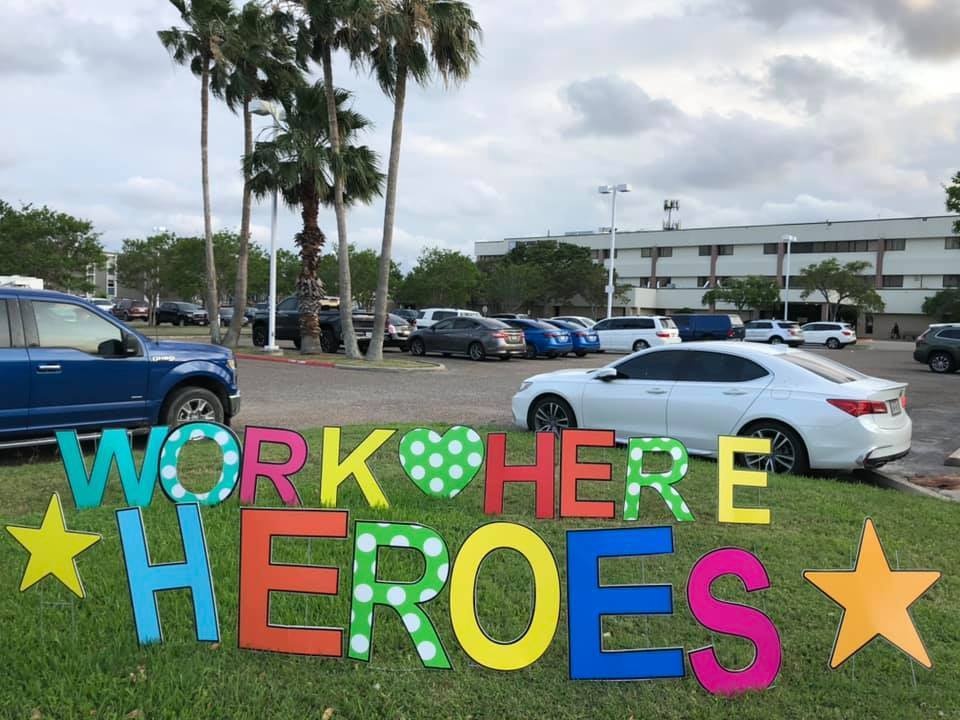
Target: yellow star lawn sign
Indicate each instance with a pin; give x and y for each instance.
(53, 549)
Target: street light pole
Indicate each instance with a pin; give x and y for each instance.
(262, 107)
(612, 190)
(789, 240)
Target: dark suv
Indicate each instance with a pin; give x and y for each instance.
(288, 327)
(182, 313)
(69, 365)
(939, 347)
(709, 327)
(128, 309)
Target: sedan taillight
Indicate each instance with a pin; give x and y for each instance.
(499, 336)
(858, 408)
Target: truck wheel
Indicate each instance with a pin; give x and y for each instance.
(328, 343)
(179, 322)
(259, 336)
(192, 404)
(297, 342)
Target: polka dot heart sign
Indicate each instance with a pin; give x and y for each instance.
(441, 465)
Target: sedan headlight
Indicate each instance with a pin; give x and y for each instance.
(524, 385)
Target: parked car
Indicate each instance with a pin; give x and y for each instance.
(182, 313)
(69, 365)
(584, 340)
(774, 332)
(105, 304)
(288, 326)
(227, 313)
(939, 347)
(636, 333)
(408, 314)
(708, 327)
(510, 316)
(542, 338)
(834, 335)
(476, 337)
(429, 316)
(817, 413)
(578, 319)
(398, 332)
(128, 309)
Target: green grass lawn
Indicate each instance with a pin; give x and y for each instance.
(65, 658)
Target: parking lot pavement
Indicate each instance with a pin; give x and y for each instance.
(479, 393)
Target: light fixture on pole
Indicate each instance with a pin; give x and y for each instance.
(264, 107)
(612, 190)
(789, 240)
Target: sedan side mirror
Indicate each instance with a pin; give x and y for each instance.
(606, 374)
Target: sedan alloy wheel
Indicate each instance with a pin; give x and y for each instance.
(551, 414)
(787, 454)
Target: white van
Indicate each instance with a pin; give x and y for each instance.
(431, 316)
(633, 333)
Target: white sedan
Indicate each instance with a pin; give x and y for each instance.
(817, 413)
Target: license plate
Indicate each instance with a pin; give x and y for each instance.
(592, 338)
(895, 408)
(363, 335)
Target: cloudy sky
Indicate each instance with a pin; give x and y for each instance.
(748, 111)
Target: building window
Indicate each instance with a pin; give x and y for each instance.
(721, 281)
(646, 252)
(724, 249)
(951, 281)
(643, 282)
(869, 280)
(952, 243)
(895, 244)
(893, 281)
(706, 250)
(703, 281)
(665, 252)
(829, 247)
(664, 282)
(771, 248)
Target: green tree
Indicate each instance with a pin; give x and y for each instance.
(260, 54)
(944, 306)
(513, 287)
(199, 45)
(754, 292)
(297, 163)
(332, 25)
(363, 275)
(441, 277)
(595, 290)
(837, 283)
(569, 269)
(953, 199)
(144, 265)
(288, 269)
(412, 40)
(51, 245)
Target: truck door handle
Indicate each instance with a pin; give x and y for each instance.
(48, 368)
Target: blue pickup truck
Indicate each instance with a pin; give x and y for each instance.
(66, 364)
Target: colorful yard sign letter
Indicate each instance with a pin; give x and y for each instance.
(334, 471)
(663, 482)
(404, 597)
(114, 448)
(229, 447)
(532, 642)
(260, 576)
(589, 601)
(254, 438)
(146, 579)
(729, 477)
(572, 470)
(499, 473)
(441, 465)
(732, 619)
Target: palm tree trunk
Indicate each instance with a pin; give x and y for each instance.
(375, 351)
(309, 288)
(343, 249)
(213, 307)
(243, 250)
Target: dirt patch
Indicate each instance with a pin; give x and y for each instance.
(939, 482)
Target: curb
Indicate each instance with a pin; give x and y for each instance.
(895, 483)
(433, 367)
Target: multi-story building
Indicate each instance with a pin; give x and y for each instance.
(909, 260)
(104, 277)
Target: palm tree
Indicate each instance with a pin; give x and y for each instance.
(199, 46)
(414, 39)
(261, 56)
(333, 25)
(298, 162)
